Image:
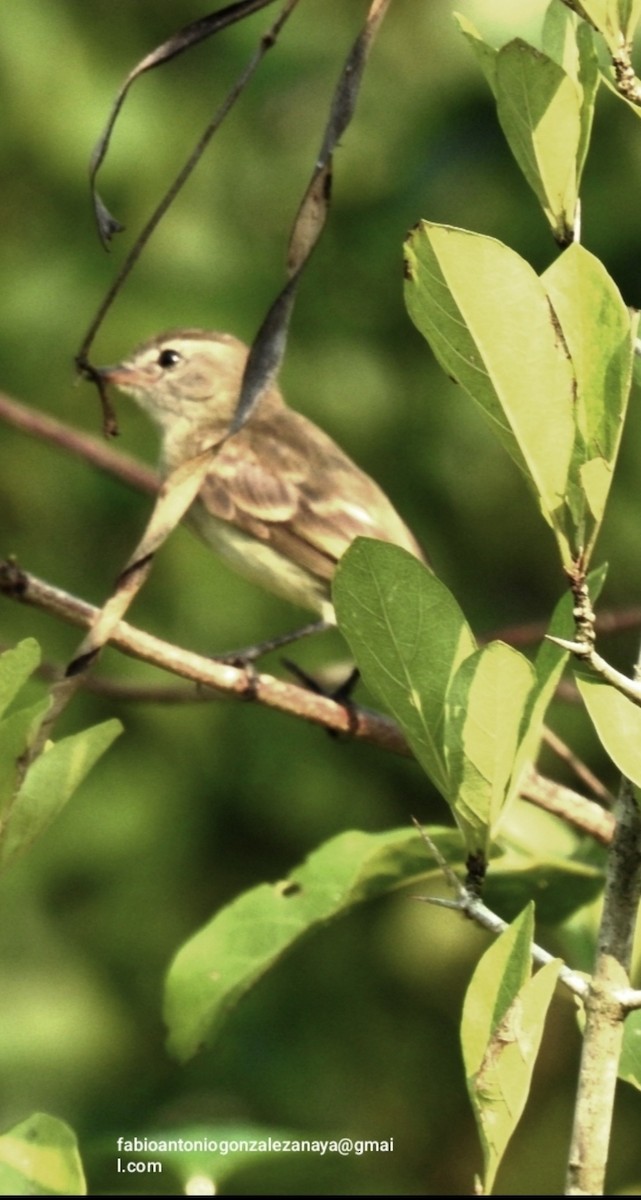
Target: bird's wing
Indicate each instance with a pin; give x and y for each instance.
(287, 483)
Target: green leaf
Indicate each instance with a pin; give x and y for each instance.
(485, 54)
(227, 957)
(486, 704)
(503, 1017)
(615, 20)
(494, 327)
(16, 666)
(473, 719)
(559, 36)
(545, 105)
(617, 721)
(629, 15)
(217, 966)
(408, 636)
(49, 783)
(497, 980)
(558, 885)
(16, 735)
(39, 1157)
(630, 1061)
(548, 667)
(570, 42)
(597, 333)
(539, 109)
(486, 316)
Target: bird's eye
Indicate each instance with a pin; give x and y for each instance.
(168, 358)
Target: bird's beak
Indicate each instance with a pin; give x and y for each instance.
(120, 374)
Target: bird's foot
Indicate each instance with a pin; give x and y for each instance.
(341, 693)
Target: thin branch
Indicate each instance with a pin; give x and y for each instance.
(628, 998)
(468, 903)
(186, 37)
(619, 48)
(540, 791)
(576, 764)
(266, 42)
(530, 633)
(227, 680)
(588, 655)
(136, 474)
(83, 445)
(268, 347)
(583, 647)
(625, 999)
(350, 720)
(584, 815)
(625, 79)
(177, 493)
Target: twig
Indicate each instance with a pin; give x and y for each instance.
(629, 687)
(353, 720)
(584, 815)
(131, 471)
(268, 347)
(530, 633)
(83, 445)
(545, 793)
(231, 681)
(468, 903)
(583, 647)
(266, 42)
(576, 764)
(624, 999)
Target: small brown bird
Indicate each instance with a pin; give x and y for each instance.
(281, 501)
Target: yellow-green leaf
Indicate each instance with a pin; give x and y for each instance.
(486, 705)
(16, 665)
(548, 360)
(225, 958)
(598, 332)
(503, 1018)
(615, 20)
(617, 721)
(408, 636)
(49, 783)
(539, 109)
(39, 1157)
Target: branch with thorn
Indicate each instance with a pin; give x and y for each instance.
(467, 902)
(583, 647)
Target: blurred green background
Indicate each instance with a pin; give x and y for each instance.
(357, 1033)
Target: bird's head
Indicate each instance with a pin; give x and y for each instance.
(186, 373)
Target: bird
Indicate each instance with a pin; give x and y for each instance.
(281, 501)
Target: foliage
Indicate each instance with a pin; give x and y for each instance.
(39, 1157)
(503, 1017)
(34, 793)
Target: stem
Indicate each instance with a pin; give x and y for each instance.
(604, 1009)
(604, 1012)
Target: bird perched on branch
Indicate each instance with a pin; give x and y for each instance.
(281, 501)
